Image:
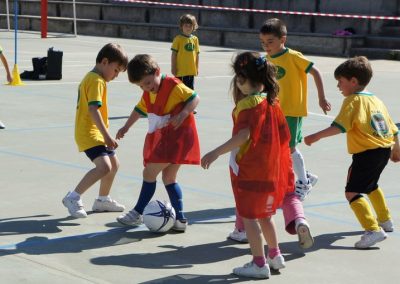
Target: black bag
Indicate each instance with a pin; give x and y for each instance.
(54, 64)
(39, 68)
(45, 68)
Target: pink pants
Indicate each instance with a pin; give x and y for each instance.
(292, 209)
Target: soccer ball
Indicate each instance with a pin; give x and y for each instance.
(159, 216)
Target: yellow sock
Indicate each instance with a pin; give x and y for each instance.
(363, 212)
(378, 201)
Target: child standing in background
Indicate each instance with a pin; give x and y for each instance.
(171, 140)
(92, 135)
(371, 134)
(260, 165)
(185, 51)
(9, 78)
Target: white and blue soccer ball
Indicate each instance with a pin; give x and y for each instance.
(159, 216)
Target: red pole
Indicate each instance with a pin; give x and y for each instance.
(43, 16)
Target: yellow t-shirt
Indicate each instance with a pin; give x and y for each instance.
(367, 122)
(92, 91)
(180, 93)
(292, 78)
(187, 49)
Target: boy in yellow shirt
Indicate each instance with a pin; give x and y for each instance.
(92, 135)
(372, 140)
(293, 68)
(185, 51)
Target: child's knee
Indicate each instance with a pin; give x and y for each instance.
(104, 168)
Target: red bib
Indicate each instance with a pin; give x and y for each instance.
(167, 145)
(265, 171)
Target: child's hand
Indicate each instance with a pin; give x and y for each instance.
(111, 143)
(308, 140)
(395, 154)
(178, 119)
(325, 105)
(9, 78)
(208, 159)
(121, 132)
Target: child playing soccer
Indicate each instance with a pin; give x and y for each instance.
(171, 140)
(372, 140)
(292, 72)
(292, 68)
(9, 78)
(260, 165)
(185, 51)
(92, 135)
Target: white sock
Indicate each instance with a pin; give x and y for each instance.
(104, 198)
(74, 195)
(299, 167)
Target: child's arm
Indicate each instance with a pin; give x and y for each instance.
(95, 114)
(5, 63)
(173, 62)
(327, 132)
(323, 102)
(395, 154)
(177, 120)
(236, 141)
(131, 120)
(197, 63)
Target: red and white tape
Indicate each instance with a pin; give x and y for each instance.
(334, 15)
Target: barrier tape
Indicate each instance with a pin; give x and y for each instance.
(334, 15)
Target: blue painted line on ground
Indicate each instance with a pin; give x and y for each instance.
(118, 230)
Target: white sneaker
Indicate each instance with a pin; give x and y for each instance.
(302, 190)
(239, 236)
(387, 226)
(180, 225)
(107, 206)
(132, 218)
(75, 207)
(252, 270)
(370, 238)
(303, 232)
(312, 178)
(277, 262)
(2, 126)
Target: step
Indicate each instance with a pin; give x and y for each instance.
(382, 42)
(376, 53)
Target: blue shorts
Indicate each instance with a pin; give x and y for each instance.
(98, 151)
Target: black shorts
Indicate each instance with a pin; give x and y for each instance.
(188, 81)
(98, 151)
(365, 170)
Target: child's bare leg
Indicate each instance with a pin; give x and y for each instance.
(103, 167)
(254, 236)
(152, 170)
(275, 258)
(269, 232)
(107, 181)
(170, 173)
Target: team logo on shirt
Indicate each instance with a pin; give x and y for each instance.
(379, 125)
(189, 46)
(280, 72)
